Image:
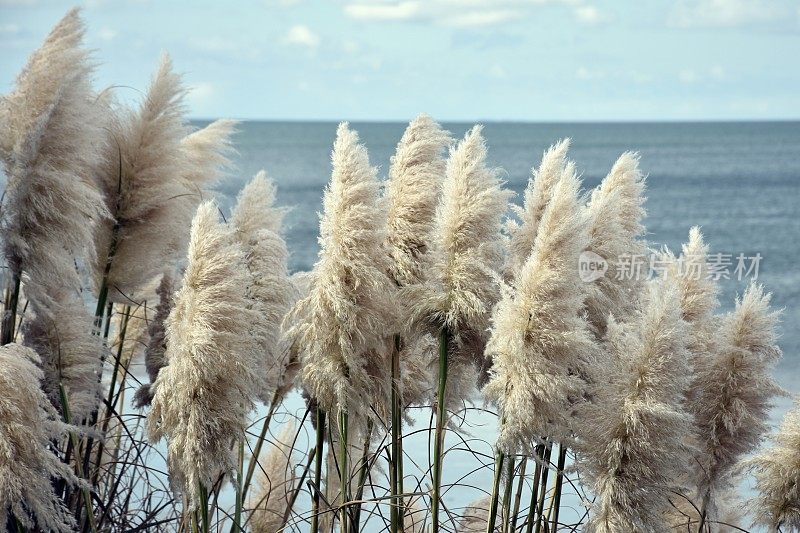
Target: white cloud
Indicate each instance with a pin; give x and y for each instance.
(717, 72)
(302, 35)
(586, 74)
(373, 12)
(107, 34)
(470, 19)
(453, 13)
(727, 13)
(9, 29)
(17, 3)
(589, 15)
(201, 93)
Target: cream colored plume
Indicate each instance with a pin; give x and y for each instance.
(204, 395)
(777, 473)
(155, 352)
(537, 195)
(617, 235)
(698, 291)
(734, 390)
(635, 429)
(28, 424)
(154, 178)
(462, 281)
(476, 517)
(539, 340)
(277, 481)
(257, 224)
(343, 325)
(255, 208)
(51, 140)
(412, 193)
(60, 330)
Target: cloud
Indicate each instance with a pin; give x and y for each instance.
(687, 76)
(107, 34)
(409, 10)
(200, 94)
(9, 29)
(729, 13)
(589, 15)
(301, 35)
(451, 13)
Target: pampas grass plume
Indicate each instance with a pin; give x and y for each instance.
(777, 473)
(734, 389)
(257, 224)
(538, 338)
(616, 212)
(51, 140)
(343, 323)
(412, 193)
(205, 393)
(28, 423)
(635, 429)
(537, 195)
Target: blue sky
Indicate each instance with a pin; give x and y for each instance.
(526, 60)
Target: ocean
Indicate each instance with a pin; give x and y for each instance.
(740, 182)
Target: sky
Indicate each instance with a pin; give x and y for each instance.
(521, 60)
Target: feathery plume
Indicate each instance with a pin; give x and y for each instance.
(412, 193)
(465, 256)
(341, 325)
(537, 194)
(155, 352)
(698, 292)
(538, 338)
(734, 391)
(476, 517)
(257, 224)
(777, 474)
(276, 483)
(60, 331)
(51, 140)
(635, 429)
(27, 466)
(255, 208)
(154, 178)
(204, 394)
(616, 212)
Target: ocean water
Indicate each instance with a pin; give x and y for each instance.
(740, 182)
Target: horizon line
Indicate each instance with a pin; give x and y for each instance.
(508, 121)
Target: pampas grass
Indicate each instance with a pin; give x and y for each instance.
(635, 429)
(735, 391)
(341, 325)
(27, 466)
(538, 339)
(412, 194)
(617, 234)
(155, 352)
(154, 177)
(537, 195)
(257, 224)
(777, 473)
(51, 140)
(60, 331)
(205, 392)
(276, 484)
